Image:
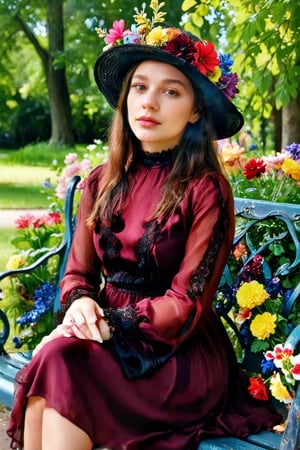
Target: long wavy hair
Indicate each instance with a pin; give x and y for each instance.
(196, 156)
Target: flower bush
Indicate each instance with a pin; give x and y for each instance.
(272, 177)
(30, 297)
(255, 302)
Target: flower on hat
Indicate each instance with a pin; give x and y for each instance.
(201, 54)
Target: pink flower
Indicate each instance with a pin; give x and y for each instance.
(72, 170)
(279, 354)
(61, 188)
(116, 32)
(53, 218)
(24, 221)
(86, 165)
(39, 221)
(70, 158)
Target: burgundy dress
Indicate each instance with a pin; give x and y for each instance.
(168, 378)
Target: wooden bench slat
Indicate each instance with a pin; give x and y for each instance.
(265, 439)
(6, 390)
(228, 443)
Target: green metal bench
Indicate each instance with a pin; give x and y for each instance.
(251, 216)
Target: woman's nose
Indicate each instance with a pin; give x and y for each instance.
(150, 100)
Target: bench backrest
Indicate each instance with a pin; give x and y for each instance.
(268, 229)
(61, 252)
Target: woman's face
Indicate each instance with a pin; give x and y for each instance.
(160, 103)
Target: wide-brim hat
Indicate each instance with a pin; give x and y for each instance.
(221, 116)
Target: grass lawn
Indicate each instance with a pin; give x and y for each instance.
(6, 249)
(20, 186)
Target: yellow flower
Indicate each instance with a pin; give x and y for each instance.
(278, 390)
(215, 75)
(158, 36)
(14, 262)
(251, 294)
(292, 168)
(263, 325)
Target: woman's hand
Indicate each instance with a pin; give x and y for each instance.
(84, 320)
(85, 317)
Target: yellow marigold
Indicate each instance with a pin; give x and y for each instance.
(172, 33)
(278, 390)
(14, 262)
(215, 75)
(251, 294)
(263, 325)
(292, 168)
(158, 36)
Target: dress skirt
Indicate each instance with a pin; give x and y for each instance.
(198, 393)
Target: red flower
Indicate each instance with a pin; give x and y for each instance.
(182, 47)
(258, 389)
(296, 372)
(206, 58)
(39, 222)
(53, 218)
(24, 221)
(255, 167)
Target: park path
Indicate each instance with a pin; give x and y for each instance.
(8, 216)
(4, 439)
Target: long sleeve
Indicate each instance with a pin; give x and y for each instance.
(178, 314)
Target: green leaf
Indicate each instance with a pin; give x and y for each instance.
(259, 346)
(188, 4)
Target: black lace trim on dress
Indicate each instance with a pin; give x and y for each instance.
(205, 269)
(157, 159)
(123, 320)
(140, 277)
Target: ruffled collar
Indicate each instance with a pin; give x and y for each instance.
(157, 159)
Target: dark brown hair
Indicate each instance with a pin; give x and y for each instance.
(196, 155)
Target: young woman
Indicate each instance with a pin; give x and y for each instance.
(141, 360)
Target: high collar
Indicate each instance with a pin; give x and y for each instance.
(157, 159)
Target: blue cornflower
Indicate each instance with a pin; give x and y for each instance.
(17, 341)
(225, 63)
(267, 365)
(44, 298)
(47, 184)
(273, 287)
(294, 151)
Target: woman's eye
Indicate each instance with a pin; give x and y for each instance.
(171, 92)
(138, 86)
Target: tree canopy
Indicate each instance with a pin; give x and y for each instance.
(264, 38)
(49, 48)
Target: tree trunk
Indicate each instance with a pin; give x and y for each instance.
(54, 68)
(291, 122)
(277, 119)
(60, 109)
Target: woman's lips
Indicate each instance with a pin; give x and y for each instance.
(147, 121)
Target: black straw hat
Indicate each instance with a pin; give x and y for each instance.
(208, 71)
